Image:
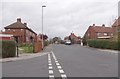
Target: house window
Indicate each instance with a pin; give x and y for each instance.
(88, 34)
(21, 29)
(98, 34)
(105, 34)
(111, 34)
(118, 29)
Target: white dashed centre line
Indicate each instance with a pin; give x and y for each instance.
(63, 75)
(56, 61)
(57, 64)
(50, 64)
(50, 71)
(59, 67)
(50, 67)
(51, 75)
(61, 71)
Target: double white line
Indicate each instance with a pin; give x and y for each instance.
(60, 69)
(50, 67)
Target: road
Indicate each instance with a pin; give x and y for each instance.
(65, 61)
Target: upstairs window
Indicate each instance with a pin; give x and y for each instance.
(105, 34)
(88, 34)
(111, 34)
(119, 29)
(98, 34)
(14, 30)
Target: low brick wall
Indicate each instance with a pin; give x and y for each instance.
(37, 47)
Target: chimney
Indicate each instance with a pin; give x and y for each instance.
(18, 19)
(103, 25)
(93, 24)
(25, 24)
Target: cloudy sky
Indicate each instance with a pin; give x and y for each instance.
(61, 17)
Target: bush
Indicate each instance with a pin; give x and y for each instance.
(8, 49)
(104, 44)
(46, 43)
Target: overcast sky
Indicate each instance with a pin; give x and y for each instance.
(61, 17)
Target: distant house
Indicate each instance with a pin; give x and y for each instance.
(20, 30)
(99, 32)
(75, 39)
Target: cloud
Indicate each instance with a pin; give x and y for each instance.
(61, 17)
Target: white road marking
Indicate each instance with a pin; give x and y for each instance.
(51, 76)
(59, 67)
(61, 71)
(57, 64)
(50, 64)
(56, 61)
(63, 75)
(50, 67)
(49, 59)
(50, 71)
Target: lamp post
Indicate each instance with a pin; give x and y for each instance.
(42, 27)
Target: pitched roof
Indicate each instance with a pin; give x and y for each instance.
(117, 22)
(18, 25)
(72, 35)
(101, 29)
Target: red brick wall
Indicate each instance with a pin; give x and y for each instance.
(22, 34)
(91, 32)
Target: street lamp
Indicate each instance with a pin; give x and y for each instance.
(42, 26)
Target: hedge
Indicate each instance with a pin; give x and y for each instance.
(104, 44)
(8, 49)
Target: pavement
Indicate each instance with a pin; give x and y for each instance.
(23, 56)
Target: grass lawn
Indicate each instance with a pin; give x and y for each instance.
(27, 49)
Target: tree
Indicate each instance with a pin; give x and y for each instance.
(57, 39)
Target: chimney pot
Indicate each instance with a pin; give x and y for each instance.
(25, 24)
(93, 24)
(103, 25)
(18, 19)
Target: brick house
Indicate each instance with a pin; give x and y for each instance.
(20, 30)
(74, 38)
(101, 32)
(116, 27)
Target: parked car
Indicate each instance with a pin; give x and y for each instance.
(68, 42)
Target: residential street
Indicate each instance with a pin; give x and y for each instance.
(65, 61)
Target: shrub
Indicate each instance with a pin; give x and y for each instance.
(8, 49)
(104, 44)
(46, 43)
